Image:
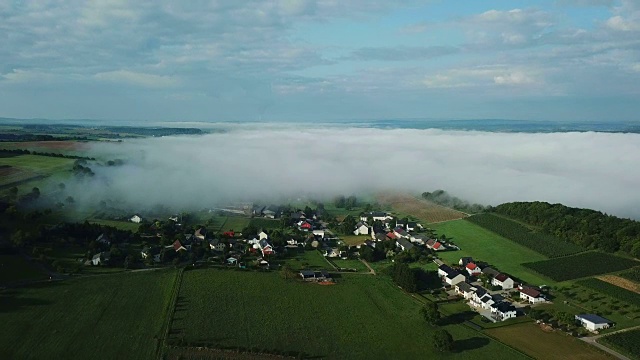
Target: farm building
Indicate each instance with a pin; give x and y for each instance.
(531, 295)
(593, 322)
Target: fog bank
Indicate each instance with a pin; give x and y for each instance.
(594, 170)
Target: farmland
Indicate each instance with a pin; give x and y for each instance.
(627, 342)
(533, 341)
(235, 223)
(632, 274)
(353, 240)
(262, 223)
(122, 225)
(482, 244)
(621, 282)
(21, 168)
(581, 265)
(360, 317)
(612, 290)
(110, 317)
(423, 210)
(16, 268)
(545, 244)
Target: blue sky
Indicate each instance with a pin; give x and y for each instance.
(300, 60)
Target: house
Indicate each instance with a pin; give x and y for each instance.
(319, 232)
(376, 215)
(104, 240)
(136, 219)
(477, 296)
(404, 244)
(413, 226)
(229, 233)
(361, 228)
(502, 280)
(200, 233)
(262, 235)
(503, 310)
(306, 225)
(332, 252)
(257, 210)
(298, 215)
(310, 275)
(177, 246)
(489, 271)
(594, 322)
(401, 223)
(369, 243)
(465, 260)
(465, 289)
(400, 232)
(531, 295)
(435, 245)
(174, 218)
(101, 258)
(419, 239)
(151, 253)
(265, 247)
(486, 301)
(450, 276)
(232, 260)
(473, 269)
(271, 212)
(391, 235)
(216, 244)
(380, 237)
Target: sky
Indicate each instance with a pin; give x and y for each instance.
(295, 60)
(251, 163)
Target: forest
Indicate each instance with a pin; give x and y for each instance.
(584, 227)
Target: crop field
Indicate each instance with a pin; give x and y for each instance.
(621, 282)
(262, 223)
(627, 342)
(353, 240)
(485, 245)
(361, 317)
(632, 274)
(235, 223)
(423, 210)
(16, 268)
(616, 292)
(12, 175)
(47, 146)
(106, 317)
(122, 225)
(309, 259)
(36, 163)
(545, 244)
(581, 265)
(533, 341)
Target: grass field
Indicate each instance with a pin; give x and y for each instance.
(37, 163)
(14, 268)
(122, 225)
(265, 224)
(351, 264)
(362, 317)
(106, 317)
(425, 211)
(609, 289)
(309, 259)
(531, 340)
(353, 240)
(235, 223)
(482, 244)
(581, 265)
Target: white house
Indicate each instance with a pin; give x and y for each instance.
(318, 232)
(531, 295)
(503, 311)
(101, 258)
(361, 229)
(473, 269)
(502, 280)
(465, 289)
(262, 235)
(593, 322)
(153, 253)
(450, 276)
(216, 244)
(419, 239)
(477, 295)
(376, 215)
(400, 233)
(136, 219)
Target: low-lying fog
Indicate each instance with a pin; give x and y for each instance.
(594, 170)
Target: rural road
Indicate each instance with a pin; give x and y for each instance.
(593, 341)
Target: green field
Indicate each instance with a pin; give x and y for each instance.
(122, 225)
(37, 163)
(627, 342)
(615, 292)
(14, 268)
(235, 223)
(105, 317)
(353, 240)
(531, 340)
(265, 224)
(309, 259)
(361, 317)
(484, 245)
(581, 265)
(351, 264)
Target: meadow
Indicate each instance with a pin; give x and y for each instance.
(423, 210)
(544, 244)
(235, 223)
(484, 245)
(530, 339)
(265, 224)
(122, 225)
(616, 292)
(107, 317)
(581, 265)
(361, 317)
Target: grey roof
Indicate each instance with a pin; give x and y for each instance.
(307, 273)
(490, 271)
(497, 297)
(381, 236)
(412, 224)
(405, 244)
(594, 318)
(504, 307)
(264, 243)
(464, 287)
(214, 242)
(480, 291)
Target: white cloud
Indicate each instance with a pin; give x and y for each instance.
(483, 76)
(137, 79)
(621, 24)
(595, 170)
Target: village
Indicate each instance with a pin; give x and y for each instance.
(495, 295)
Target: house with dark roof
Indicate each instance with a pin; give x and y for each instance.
(362, 228)
(376, 215)
(531, 295)
(103, 239)
(489, 271)
(400, 233)
(419, 239)
(404, 244)
(271, 212)
(503, 280)
(477, 295)
(465, 289)
(501, 311)
(217, 245)
(151, 253)
(465, 260)
(101, 258)
(413, 226)
(594, 322)
(450, 276)
(380, 237)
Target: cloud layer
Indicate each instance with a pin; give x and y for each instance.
(594, 170)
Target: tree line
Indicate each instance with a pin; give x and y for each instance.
(443, 198)
(28, 152)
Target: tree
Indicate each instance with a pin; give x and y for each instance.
(36, 192)
(442, 340)
(350, 202)
(339, 201)
(13, 193)
(61, 186)
(430, 313)
(287, 272)
(70, 200)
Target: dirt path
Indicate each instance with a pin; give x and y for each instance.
(371, 271)
(620, 282)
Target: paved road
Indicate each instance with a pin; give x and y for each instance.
(593, 341)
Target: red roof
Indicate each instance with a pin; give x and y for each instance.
(177, 245)
(391, 235)
(437, 245)
(531, 292)
(471, 266)
(501, 277)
